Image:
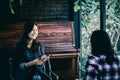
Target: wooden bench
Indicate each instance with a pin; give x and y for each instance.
(58, 39)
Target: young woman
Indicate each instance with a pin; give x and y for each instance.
(103, 64)
(29, 55)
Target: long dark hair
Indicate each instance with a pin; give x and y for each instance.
(27, 28)
(101, 44)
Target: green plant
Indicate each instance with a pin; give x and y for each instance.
(11, 3)
(76, 6)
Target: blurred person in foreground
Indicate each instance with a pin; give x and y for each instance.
(103, 64)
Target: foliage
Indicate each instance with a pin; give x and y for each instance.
(12, 2)
(90, 22)
(76, 5)
(113, 20)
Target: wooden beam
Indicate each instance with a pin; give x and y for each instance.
(102, 15)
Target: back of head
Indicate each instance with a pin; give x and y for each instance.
(101, 43)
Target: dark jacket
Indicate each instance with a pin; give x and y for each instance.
(20, 58)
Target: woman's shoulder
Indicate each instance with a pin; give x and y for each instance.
(93, 60)
(93, 57)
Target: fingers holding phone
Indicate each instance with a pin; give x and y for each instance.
(44, 58)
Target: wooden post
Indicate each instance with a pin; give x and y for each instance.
(80, 39)
(102, 15)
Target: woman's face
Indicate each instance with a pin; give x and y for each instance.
(34, 33)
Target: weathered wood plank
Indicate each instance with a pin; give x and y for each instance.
(10, 34)
(56, 33)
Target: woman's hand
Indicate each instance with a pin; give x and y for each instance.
(44, 58)
(37, 62)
